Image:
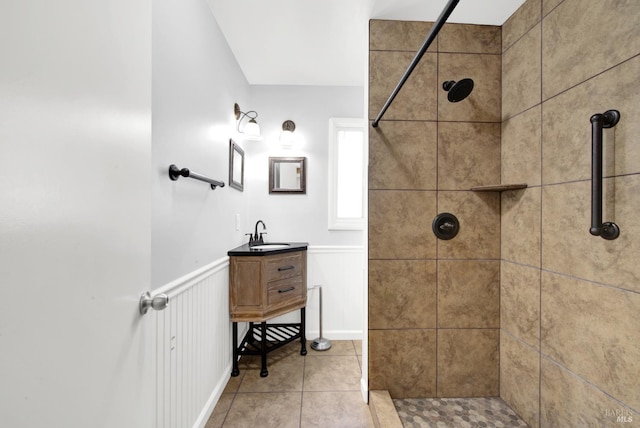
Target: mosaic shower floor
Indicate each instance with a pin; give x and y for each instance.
(456, 413)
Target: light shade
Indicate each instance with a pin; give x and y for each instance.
(252, 129)
(286, 137)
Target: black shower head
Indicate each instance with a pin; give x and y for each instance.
(458, 91)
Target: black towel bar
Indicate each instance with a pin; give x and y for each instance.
(175, 173)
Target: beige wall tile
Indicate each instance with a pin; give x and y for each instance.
(520, 230)
(548, 5)
(399, 35)
(466, 38)
(483, 104)
(521, 143)
(567, 129)
(402, 294)
(567, 245)
(479, 217)
(520, 22)
(468, 155)
(573, 41)
(468, 294)
(568, 401)
(521, 74)
(417, 100)
(399, 224)
(403, 362)
(402, 155)
(593, 331)
(520, 302)
(468, 362)
(520, 378)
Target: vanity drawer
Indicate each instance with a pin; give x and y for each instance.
(285, 290)
(284, 266)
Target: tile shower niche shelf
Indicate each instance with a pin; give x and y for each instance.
(499, 187)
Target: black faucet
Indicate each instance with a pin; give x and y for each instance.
(257, 239)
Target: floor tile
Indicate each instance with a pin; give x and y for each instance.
(456, 412)
(266, 410)
(335, 409)
(332, 373)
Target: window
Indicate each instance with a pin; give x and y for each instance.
(346, 173)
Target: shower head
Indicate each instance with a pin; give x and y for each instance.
(458, 91)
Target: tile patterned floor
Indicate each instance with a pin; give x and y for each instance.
(321, 389)
(456, 412)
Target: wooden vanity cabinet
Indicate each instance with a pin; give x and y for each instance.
(266, 286)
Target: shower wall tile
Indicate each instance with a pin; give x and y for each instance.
(523, 20)
(521, 142)
(569, 248)
(468, 362)
(417, 100)
(520, 378)
(520, 230)
(468, 155)
(403, 362)
(466, 38)
(468, 294)
(399, 35)
(588, 327)
(568, 401)
(521, 74)
(567, 129)
(483, 105)
(548, 5)
(402, 294)
(520, 302)
(399, 224)
(402, 155)
(479, 217)
(572, 40)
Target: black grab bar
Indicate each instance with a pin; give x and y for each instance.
(607, 230)
(175, 173)
(432, 35)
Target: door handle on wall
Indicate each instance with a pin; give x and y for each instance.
(157, 302)
(607, 230)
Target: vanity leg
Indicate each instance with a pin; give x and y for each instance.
(263, 351)
(235, 371)
(303, 336)
(250, 337)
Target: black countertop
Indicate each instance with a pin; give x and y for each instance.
(246, 250)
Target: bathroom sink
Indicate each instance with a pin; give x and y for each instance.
(273, 246)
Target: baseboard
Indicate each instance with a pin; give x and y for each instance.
(335, 334)
(207, 410)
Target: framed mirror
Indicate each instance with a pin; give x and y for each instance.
(236, 166)
(288, 175)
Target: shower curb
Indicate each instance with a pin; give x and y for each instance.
(383, 412)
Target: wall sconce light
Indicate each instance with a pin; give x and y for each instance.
(251, 130)
(286, 137)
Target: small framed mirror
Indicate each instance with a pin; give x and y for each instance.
(236, 166)
(288, 175)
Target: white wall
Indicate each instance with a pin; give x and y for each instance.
(196, 81)
(298, 217)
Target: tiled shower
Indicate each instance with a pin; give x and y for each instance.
(524, 303)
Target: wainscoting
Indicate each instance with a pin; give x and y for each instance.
(193, 346)
(194, 332)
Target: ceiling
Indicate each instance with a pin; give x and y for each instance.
(323, 42)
